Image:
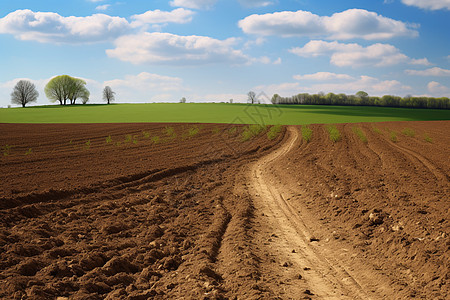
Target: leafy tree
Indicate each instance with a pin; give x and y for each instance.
(108, 94)
(23, 93)
(251, 97)
(63, 88)
(183, 100)
(78, 90)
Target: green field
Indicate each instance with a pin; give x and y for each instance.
(216, 113)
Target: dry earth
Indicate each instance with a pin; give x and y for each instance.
(200, 214)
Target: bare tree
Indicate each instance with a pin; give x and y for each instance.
(183, 100)
(108, 94)
(23, 93)
(251, 97)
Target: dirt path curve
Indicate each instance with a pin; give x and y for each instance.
(298, 262)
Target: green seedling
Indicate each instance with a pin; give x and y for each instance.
(274, 132)
(307, 133)
(409, 132)
(146, 134)
(393, 136)
(376, 130)
(128, 138)
(155, 139)
(6, 150)
(193, 131)
(427, 138)
(87, 145)
(252, 131)
(108, 139)
(232, 130)
(170, 132)
(29, 151)
(358, 131)
(333, 133)
(117, 144)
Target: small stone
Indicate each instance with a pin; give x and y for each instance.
(306, 268)
(313, 239)
(299, 276)
(308, 292)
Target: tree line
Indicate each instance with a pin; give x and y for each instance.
(63, 89)
(363, 99)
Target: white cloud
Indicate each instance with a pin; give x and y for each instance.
(47, 27)
(166, 48)
(255, 3)
(422, 62)
(437, 89)
(179, 15)
(429, 72)
(350, 24)
(95, 1)
(323, 76)
(371, 85)
(429, 4)
(196, 4)
(103, 7)
(147, 82)
(355, 55)
(278, 61)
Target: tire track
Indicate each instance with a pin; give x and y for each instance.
(416, 157)
(326, 278)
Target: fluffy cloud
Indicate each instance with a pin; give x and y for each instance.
(179, 15)
(437, 89)
(421, 61)
(103, 7)
(354, 55)
(350, 24)
(323, 76)
(196, 4)
(147, 82)
(371, 85)
(429, 72)
(166, 48)
(429, 4)
(47, 27)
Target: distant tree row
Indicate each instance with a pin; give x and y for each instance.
(60, 89)
(363, 99)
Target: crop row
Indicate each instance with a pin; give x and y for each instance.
(335, 135)
(168, 134)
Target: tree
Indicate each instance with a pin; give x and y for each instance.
(108, 94)
(362, 95)
(24, 92)
(63, 88)
(251, 97)
(183, 100)
(78, 90)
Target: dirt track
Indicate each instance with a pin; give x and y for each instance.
(209, 216)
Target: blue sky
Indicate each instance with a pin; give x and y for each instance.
(216, 50)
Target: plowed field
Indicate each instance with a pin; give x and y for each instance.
(184, 211)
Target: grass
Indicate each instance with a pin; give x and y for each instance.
(427, 138)
(307, 133)
(409, 132)
(358, 131)
(333, 133)
(215, 113)
(273, 132)
(393, 136)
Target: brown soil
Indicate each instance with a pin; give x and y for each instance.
(207, 216)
